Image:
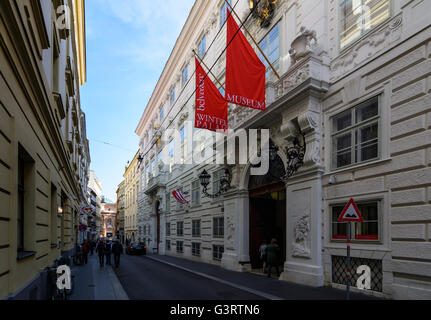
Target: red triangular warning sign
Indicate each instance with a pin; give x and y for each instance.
(351, 213)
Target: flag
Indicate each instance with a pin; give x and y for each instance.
(211, 107)
(179, 196)
(245, 73)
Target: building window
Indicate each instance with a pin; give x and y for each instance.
(184, 76)
(54, 215)
(183, 132)
(360, 16)
(180, 229)
(180, 206)
(196, 228)
(168, 229)
(171, 155)
(202, 47)
(168, 245)
(270, 45)
(218, 227)
(217, 252)
(223, 13)
(196, 193)
(153, 167)
(162, 113)
(367, 230)
(180, 247)
(25, 187)
(196, 249)
(172, 98)
(147, 175)
(355, 134)
(168, 202)
(217, 175)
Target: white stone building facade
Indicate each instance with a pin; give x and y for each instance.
(355, 83)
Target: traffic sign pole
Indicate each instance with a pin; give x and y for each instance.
(348, 273)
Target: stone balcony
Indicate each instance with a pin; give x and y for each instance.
(156, 182)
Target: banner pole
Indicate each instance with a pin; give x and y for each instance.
(202, 62)
(248, 32)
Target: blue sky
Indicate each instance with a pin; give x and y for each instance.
(128, 44)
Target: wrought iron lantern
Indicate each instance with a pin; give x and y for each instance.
(225, 181)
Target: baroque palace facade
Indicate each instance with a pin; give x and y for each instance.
(355, 83)
(44, 151)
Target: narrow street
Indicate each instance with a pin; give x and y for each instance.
(145, 279)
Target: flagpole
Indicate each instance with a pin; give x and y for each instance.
(201, 61)
(261, 51)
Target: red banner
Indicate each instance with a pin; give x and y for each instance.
(245, 73)
(211, 107)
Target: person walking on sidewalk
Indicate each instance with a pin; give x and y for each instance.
(92, 245)
(272, 252)
(85, 251)
(100, 250)
(108, 251)
(117, 250)
(262, 254)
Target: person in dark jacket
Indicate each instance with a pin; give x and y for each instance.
(85, 251)
(100, 250)
(117, 250)
(108, 251)
(92, 246)
(272, 252)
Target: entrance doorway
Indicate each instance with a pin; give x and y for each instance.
(267, 213)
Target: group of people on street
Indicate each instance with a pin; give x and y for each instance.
(105, 249)
(270, 256)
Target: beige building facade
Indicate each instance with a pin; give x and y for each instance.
(121, 208)
(131, 185)
(355, 87)
(44, 151)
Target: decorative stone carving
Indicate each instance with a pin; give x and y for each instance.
(296, 78)
(304, 44)
(301, 246)
(310, 127)
(230, 231)
(367, 47)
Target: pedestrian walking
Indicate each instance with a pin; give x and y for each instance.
(108, 251)
(92, 244)
(262, 254)
(117, 250)
(100, 250)
(272, 252)
(85, 251)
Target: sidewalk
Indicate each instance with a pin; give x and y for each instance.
(95, 283)
(272, 289)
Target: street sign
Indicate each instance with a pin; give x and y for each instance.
(87, 209)
(82, 228)
(351, 213)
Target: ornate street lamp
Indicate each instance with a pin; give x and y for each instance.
(225, 181)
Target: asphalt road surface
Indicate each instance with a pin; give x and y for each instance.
(146, 279)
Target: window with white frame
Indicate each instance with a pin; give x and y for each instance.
(217, 175)
(355, 134)
(218, 252)
(172, 98)
(196, 228)
(223, 12)
(180, 206)
(168, 202)
(196, 193)
(147, 175)
(184, 76)
(168, 245)
(171, 155)
(180, 248)
(162, 113)
(360, 16)
(218, 227)
(366, 230)
(180, 228)
(153, 167)
(183, 144)
(168, 229)
(270, 45)
(202, 47)
(196, 249)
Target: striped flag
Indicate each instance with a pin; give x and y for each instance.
(178, 195)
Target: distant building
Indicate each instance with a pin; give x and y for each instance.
(95, 199)
(121, 210)
(131, 190)
(109, 220)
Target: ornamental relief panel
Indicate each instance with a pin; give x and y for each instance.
(367, 47)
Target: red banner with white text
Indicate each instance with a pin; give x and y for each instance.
(211, 107)
(245, 73)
